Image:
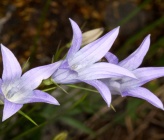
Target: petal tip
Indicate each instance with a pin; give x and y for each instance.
(115, 31)
(117, 28)
(57, 103)
(146, 41)
(3, 119)
(2, 46)
(161, 107)
(148, 36)
(72, 21)
(108, 105)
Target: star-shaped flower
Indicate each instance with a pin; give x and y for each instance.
(132, 87)
(80, 65)
(16, 90)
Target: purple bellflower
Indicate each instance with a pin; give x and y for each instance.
(17, 90)
(80, 65)
(132, 87)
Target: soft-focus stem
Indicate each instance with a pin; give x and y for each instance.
(60, 87)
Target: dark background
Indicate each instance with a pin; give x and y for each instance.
(40, 28)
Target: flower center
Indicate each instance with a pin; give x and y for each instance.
(73, 67)
(12, 92)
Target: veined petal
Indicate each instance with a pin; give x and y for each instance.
(94, 51)
(65, 76)
(33, 78)
(143, 75)
(10, 109)
(76, 41)
(104, 70)
(16, 95)
(64, 65)
(134, 60)
(111, 58)
(102, 88)
(11, 67)
(145, 94)
(38, 96)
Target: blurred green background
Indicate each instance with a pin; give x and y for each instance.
(40, 29)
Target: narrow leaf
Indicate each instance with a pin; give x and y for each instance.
(27, 117)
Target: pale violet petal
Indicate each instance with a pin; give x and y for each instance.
(94, 51)
(111, 58)
(103, 70)
(145, 94)
(11, 67)
(33, 78)
(76, 41)
(102, 88)
(64, 65)
(134, 60)
(38, 96)
(65, 76)
(143, 75)
(10, 109)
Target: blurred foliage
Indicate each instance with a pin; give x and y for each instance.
(41, 30)
(61, 136)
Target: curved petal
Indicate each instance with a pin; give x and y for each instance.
(65, 76)
(10, 109)
(102, 88)
(145, 94)
(103, 70)
(33, 78)
(143, 75)
(134, 60)
(38, 96)
(11, 68)
(94, 51)
(76, 41)
(111, 58)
